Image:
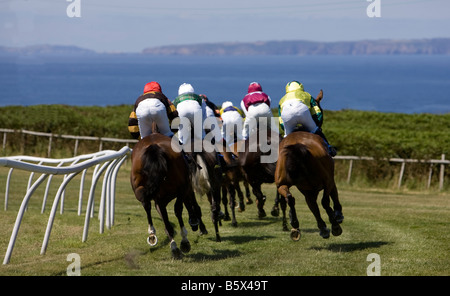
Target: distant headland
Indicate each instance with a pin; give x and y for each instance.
(301, 47)
(435, 46)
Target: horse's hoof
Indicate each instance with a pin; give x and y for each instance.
(275, 212)
(336, 230)
(152, 240)
(194, 224)
(220, 216)
(338, 217)
(185, 246)
(295, 234)
(176, 254)
(261, 214)
(227, 217)
(218, 239)
(285, 228)
(203, 230)
(325, 233)
(241, 207)
(234, 224)
(249, 201)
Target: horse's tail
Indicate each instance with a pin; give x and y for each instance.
(200, 178)
(297, 161)
(154, 169)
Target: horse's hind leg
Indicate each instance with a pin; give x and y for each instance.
(240, 195)
(283, 204)
(176, 253)
(232, 192)
(260, 200)
(195, 213)
(336, 229)
(225, 203)
(249, 200)
(185, 246)
(311, 200)
(337, 205)
(283, 190)
(152, 240)
(215, 212)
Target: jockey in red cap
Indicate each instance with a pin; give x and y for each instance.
(152, 107)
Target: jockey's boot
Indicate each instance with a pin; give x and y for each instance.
(190, 160)
(331, 149)
(220, 163)
(188, 157)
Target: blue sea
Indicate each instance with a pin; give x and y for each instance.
(400, 84)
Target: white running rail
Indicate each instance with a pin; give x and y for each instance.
(107, 162)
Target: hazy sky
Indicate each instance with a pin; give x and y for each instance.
(131, 25)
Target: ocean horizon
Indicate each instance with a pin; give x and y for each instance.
(383, 83)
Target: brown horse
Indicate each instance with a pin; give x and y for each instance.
(233, 175)
(257, 171)
(159, 173)
(207, 179)
(303, 161)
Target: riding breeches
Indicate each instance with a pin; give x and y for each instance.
(232, 125)
(294, 113)
(151, 111)
(252, 120)
(191, 115)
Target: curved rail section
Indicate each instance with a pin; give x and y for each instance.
(107, 162)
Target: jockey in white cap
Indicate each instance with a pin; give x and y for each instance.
(191, 106)
(232, 119)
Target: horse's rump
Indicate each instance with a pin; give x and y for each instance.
(297, 162)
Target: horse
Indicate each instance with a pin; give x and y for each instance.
(258, 172)
(233, 175)
(303, 161)
(159, 173)
(206, 178)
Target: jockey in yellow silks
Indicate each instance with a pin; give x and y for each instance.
(299, 108)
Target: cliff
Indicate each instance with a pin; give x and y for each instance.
(301, 47)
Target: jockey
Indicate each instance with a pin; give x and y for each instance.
(232, 123)
(298, 107)
(151, 107)
(256, 104)
(191, 106)
(211, 109)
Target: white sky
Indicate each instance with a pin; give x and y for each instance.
(131, 25)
